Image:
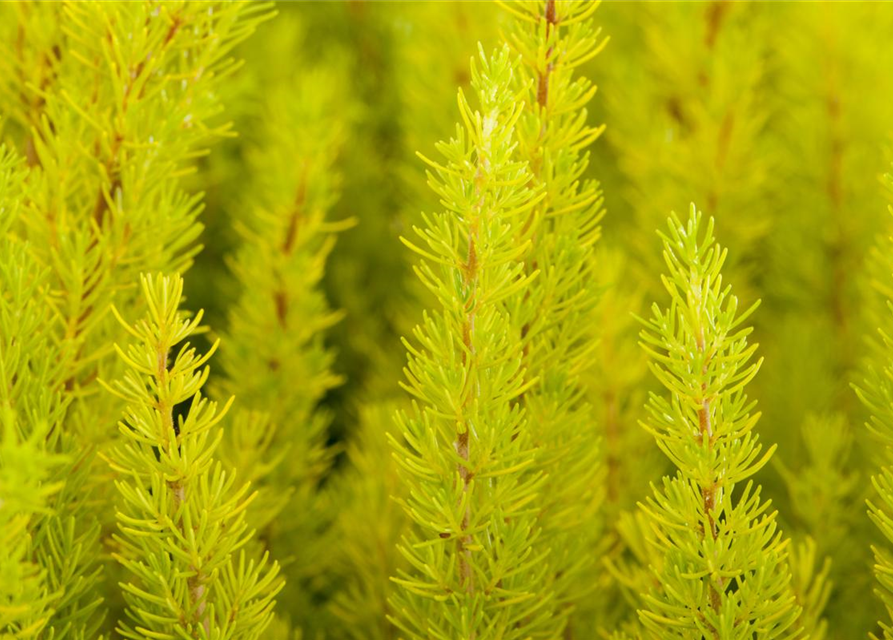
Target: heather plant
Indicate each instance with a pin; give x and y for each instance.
(431, 414)
(182, 518)
(875, 392)
(466, 453)
(723, 573)
(553, 40)
(277, 321)
(30, 410)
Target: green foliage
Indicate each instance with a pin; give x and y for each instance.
(811, 587)
(30, 414)
(553, 40)
(824, 491)
(51, 560)
(816, 313)
(724, 573)
(181, 515)
(125, 101)
(876, 393)
(278, 321)
(467, 457)
(122, 123)
(686, 116)
(24, 601)
(510, 497)
(369, 524)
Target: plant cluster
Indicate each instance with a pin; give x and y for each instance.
(456, 397)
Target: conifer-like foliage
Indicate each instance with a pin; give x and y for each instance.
(126, 99)
(27, 467)
(554, 39)
(277, 325)
(517, 467)
(132, 104)
(30, 414)
(369, 524)
(724, 573)
(182, 514)
(816, 264)
(876, 393)
(476, 568)
(278, 321)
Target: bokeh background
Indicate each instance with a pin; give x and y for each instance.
(772, 117)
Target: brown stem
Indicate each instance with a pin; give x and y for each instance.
(716, 11)
(838, 250)
(542, 98)
(471, 264)
(196, 583)
(724, 138)
(542, 87)
(612, 437)
(297, 213)
(708, 493)
(722, 150)
(280, 297)
(74, 324)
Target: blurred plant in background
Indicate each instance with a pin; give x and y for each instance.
(269, 155)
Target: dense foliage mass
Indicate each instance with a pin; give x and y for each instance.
(475, 379)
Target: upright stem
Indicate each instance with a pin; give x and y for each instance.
(165, 408)
(838, 251)
(536, 163)
(708, 493)
(612, 437)
(542, 87)
(280, 296)
(470, 270)
(714, 15)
